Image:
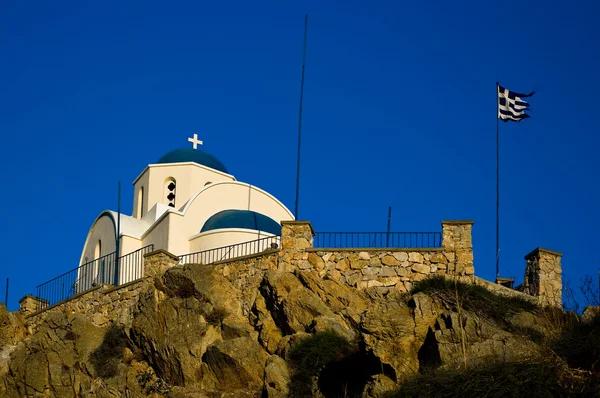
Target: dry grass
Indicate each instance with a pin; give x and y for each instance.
(533, 377)
(568, 364)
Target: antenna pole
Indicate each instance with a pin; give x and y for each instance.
(300, 118)
(118, 241)
(389, 225)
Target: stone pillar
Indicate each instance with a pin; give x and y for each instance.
(457, 243)
(296, 237)
(543, 276)
(158, 261)
(30, 304)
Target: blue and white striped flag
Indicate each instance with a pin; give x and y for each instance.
(511, 105)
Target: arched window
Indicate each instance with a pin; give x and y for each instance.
(98, 250)
(170, 191)
(140, 203)
(98, 267)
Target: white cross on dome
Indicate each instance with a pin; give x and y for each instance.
(195, 141)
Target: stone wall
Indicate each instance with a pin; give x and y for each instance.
(383, 269)
(100, 305)
(104, 303)
(543, 276)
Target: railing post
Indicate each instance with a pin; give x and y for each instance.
(457, 242)
(296, 236)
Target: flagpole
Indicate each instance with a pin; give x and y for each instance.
(300, 119)
(497, 186)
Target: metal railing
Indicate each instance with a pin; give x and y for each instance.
(231, 251)
(377, 239)
(91, 274)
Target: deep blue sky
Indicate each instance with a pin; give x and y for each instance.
(399, 111)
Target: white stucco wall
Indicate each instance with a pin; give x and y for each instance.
(189, 178)
(159, 234)
(224, 237)
(231, 195)
(219, 238)
(129, 244)
(103, 229)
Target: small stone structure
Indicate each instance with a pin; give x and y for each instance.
(384, 270)
(30, 304)
(543, 276)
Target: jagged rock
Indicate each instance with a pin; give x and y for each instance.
(388, 331)
(323, 323)
(292, 306)
(482, 339)
(277, 377)
(12, 327)
(199, 331)
(286, 343)
(235, 365)
(590, 313)
(378, 386)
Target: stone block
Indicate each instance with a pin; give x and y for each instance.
(390, 281)
(387, 271)
(364, 256)
(421, 268)
(389, 260)
(400, 256)
(370, 270)
(415, 257)
(353, 278)
(316, 261)
(375, 262)
(342, 265)
(335, 275)
(358, 264)
(451, 256)
(438, 258)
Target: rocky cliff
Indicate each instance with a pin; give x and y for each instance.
(197, 330)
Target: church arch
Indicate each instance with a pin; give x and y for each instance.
(140, 202)
(170, 191)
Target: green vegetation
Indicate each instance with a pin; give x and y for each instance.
(310, 355)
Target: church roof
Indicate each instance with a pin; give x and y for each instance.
(242, 219)
(193, 155)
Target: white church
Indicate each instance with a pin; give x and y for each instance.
(186, 202)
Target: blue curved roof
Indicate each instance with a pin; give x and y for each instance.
(193, 155)
(242, 219)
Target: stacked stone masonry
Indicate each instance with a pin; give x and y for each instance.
(101, 305)
(384, 270)
(543, 276)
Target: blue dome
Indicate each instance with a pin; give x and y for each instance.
(193, 155)
(242, 219)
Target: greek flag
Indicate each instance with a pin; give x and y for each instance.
(511, 105)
